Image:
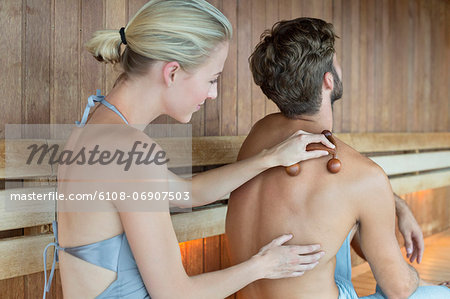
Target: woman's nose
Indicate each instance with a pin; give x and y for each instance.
(212, 94)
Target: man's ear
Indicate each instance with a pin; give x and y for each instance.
(328, 82)
(170, 71)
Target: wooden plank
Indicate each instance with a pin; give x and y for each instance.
(134, 6)
(229, 76)
(213, 115)
(244, 83)
(211, 252)
(11, 62)
(337, 21)
(15, 261)
(413, 183)
(92, 72)
(37, 58)
(13, 157)
(224, 149)
(386, 142)
(258, 25)
(271, 19)
(439, 46)
(398, 164)
(194, 257)
(65, 104)
(12, 219)
(115, 18)
(200, 224)
(35, 286)
(349, 63)
(13, 288)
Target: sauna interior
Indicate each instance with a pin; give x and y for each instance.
(395, 58)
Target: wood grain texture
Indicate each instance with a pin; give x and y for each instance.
(23, 262)
(258, 25)
(36, 101)
(244, 83)
(395, 62)
(214, 150)
(212, 108)
(229, 76)
(65, 105)
(435, 267)
(115, 17)
(12, 57)
(91, 72)
(386, 87)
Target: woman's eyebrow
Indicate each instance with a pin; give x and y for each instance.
(217, 74)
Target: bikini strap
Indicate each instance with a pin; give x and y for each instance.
(47, 284)
(91, 103)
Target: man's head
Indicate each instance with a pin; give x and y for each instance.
(290, 63)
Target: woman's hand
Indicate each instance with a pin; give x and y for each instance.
(293, 149)
(282, 261)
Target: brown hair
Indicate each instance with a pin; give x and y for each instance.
(290, 61)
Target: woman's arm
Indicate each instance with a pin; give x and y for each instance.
(214, 184)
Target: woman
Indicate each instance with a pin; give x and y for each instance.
(174, 53)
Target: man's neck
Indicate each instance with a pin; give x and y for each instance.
(322, 120)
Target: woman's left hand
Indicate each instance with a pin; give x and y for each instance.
(293, 149)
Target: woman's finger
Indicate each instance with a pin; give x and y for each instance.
(315, 154)
(311, 258)
(318, 138)
(281, 240)
(301, 132)
(304, 249)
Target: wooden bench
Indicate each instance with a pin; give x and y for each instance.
(413, 161)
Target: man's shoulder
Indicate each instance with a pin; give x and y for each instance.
(265, 133)
(361, 169)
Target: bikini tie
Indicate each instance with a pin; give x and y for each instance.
(91, 103)
(55, 259)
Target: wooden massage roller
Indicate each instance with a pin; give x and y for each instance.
(333, 165)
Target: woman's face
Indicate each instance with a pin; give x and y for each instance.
(190, 90)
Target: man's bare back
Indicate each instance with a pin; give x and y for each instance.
(316, 206)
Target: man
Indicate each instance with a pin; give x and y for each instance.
(295, 66)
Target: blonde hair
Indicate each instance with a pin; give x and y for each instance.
(185, 31)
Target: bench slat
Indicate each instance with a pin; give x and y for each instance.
(413, 183)
(23, 255)
(13, 219)
(398, 164)
(224, 149)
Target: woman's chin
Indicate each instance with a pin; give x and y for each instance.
(182, 119)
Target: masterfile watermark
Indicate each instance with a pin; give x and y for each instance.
(98, 168)
(97, 156)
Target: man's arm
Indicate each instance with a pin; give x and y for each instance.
(410, 230)
(376, 212)
(408, 227)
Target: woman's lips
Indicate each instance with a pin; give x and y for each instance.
(200, 105)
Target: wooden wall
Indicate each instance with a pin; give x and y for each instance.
(394, 55)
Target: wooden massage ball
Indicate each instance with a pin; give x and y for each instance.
(333, 165)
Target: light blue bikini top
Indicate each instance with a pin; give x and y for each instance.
(113, 253)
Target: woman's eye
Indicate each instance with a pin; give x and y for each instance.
(214, 81)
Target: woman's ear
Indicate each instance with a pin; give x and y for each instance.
(170, 71)
(328, 82)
